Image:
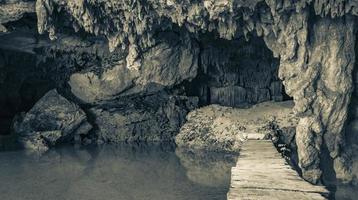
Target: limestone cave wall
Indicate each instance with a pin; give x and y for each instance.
(236, 73)
(145, 47)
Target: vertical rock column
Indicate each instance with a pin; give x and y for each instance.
(316, 68)
(332, 51)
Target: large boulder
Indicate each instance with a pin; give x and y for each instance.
(150, 118)
(52, 120)
(172, 60)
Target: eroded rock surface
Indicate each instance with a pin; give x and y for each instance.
(218, 128)
(236, 73)
(171, 61)
(12, 10)
(52, 120)
(150, 118)
(309, 68)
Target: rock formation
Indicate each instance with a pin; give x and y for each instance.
(236, 73)
(151, 118)
(110, 49)
(219, 128)
(53, 119)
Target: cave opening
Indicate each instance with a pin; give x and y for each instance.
(236, 73)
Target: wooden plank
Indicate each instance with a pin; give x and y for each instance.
(262, 173)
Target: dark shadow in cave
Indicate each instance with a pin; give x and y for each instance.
(22, 84)
(236, 73)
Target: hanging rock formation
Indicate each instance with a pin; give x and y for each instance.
(172, 60)
(236, 73)
(313, 39)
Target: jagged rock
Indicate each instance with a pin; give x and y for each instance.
(52, 120)
(12, 10)
(150, 118)
(172, 60)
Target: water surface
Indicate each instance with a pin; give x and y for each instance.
(119, 172)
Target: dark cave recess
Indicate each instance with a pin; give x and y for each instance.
(236, 73)
(22, 84)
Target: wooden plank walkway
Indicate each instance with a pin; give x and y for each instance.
(261, 173)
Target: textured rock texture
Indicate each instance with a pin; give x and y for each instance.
(236, 73)
(219, 128)
(313, 39)
(309, 69)
(173, 59)
(12, 10)
(52, 120)
(150, 118)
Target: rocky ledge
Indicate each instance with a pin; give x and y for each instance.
(219, 128)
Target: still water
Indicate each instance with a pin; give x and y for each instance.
(120, 172)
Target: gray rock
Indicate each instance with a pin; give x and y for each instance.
(314, 41)
(52, 120)
(228, 96)
(219, 128)
(173, 59)
(321, 99)
(236, 73)
(13, 10)
(150, 118)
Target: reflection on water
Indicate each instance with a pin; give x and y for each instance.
(120, 172)
(115, 172)
(346, 192)
(208, 169)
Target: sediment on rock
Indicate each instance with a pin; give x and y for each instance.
(218, 128)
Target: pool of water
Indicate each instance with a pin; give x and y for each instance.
(120, 172)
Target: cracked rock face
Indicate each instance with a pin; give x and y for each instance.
(153, 45)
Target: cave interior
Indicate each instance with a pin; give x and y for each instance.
(137, 78)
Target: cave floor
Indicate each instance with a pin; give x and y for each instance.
(262, 173)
